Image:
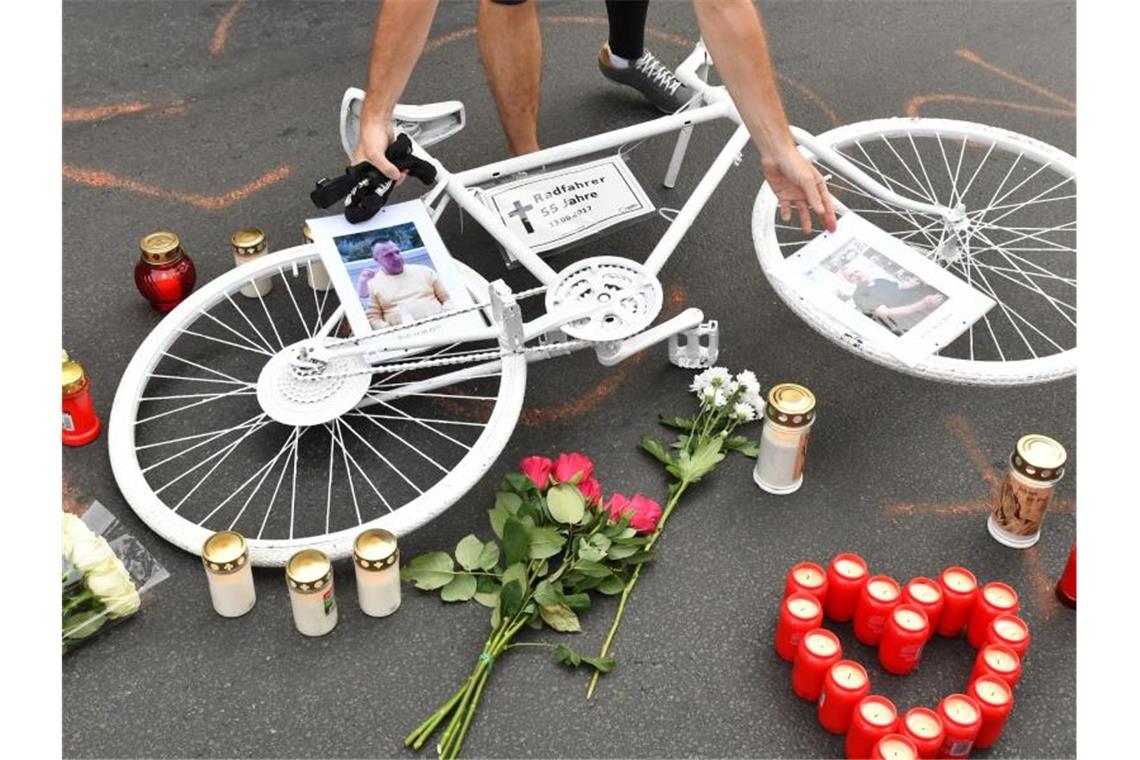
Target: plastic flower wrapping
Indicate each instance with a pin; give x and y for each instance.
(107, 572)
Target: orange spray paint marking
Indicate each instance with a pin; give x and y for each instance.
(972, 57)
(96, 178)
(111, 110)
(1042, 585)
(960, 426)
(218, 41)
(914, 104)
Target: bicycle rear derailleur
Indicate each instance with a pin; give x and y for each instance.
(367, 190)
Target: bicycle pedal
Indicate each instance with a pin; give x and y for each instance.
(697, 348)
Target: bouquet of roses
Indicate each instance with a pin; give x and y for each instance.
(98, 588)
(558, 540)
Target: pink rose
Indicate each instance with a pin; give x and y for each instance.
(591, 491)
(644, 512)
(573, 468)
(538, 470)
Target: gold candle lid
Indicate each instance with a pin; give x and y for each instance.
(883, 589)
(1039, 457)
(375, 549)
(790, 405)
(910, 618)
(1000, 595)
(803, 606)
(73, 375)
(959, 579)
(308, 571)
(896, 748)
(225, 552)
(878, 711)
(848, 674)
(1010, 628)
(923, 723)
(849, 568)
(809, 575)
(924, 590)
(1000, 658)
(821, 643)
(961, 709)
(992, 691)
(248, 242)
(307, 233)
(161, 247)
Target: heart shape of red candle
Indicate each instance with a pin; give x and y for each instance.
(901, 619)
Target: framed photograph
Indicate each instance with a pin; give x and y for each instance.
(394, 269)
(885, 291)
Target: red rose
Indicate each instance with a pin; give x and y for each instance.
(538, 470)
(644, 512)
(591, 491)
(573, 468)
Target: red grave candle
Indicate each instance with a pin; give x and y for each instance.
(873, 718)
(996, 700)
(905, 633)
(1011, 631)
(164, 273)
(961, 720)
(877, 599)
(895, 747)
(80, 422)
(846, 576)
(999, 661)
(807, 578)
(818, 650)
(993, 600)
(799, 613)
(846, 683)
(923, 726)
(926, 594)
(1067, 586)
(959, 593)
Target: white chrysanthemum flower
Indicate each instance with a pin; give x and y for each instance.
(743, 412)
(700, 382)
(719, 399)
(748, 381)
(731, 387)
(718, 377)
(755, 400)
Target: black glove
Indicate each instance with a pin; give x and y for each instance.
(367, 190)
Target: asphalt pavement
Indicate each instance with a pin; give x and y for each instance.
(204, 117)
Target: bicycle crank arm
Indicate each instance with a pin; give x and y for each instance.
(615, 352)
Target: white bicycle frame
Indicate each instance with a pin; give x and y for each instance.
(710, 103)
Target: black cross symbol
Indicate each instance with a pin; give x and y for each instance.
(520, 211)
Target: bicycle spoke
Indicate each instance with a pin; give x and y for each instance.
(223, 453)
(291, 455)
(347, 471)
(207, 369)
(268, 316)
(192, 405)
(212, 437)
(364, 475)
(199, 379)
(183, 438)
(248, 321)
(252, 344)
(386, 461)
(424, 423)
(263, 471)
(296, 306)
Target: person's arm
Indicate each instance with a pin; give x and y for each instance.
(402, 28)
(441, 293)
(734, 35)
(923, 304)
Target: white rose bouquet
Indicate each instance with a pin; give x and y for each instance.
(98, 589)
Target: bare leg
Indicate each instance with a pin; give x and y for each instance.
(510, 45)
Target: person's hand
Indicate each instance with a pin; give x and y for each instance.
(376, 134)
(797, 183)
(933, 301)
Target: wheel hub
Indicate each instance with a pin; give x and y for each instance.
(316, 395)
(626, 298)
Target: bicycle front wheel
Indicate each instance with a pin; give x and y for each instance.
(1020, 199)
(194, 452)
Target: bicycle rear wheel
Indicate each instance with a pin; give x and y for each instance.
(194, 452)
(1020, 198)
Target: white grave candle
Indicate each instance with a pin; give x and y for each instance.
(377, 562)
(788, 418)
(228, 573)
(310, 579)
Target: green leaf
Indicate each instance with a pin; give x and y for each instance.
(565, 503)
(467, 552)
(487, 599)
(545, 542)
(621, 551)
(83, 624)
(590, 551)
(602, 664)
(488, 556)
(487, 591)
(560, 618)
(567, 656)
(612, 585)
(498, 519)
(576, 601)
(545, 594)
(511, 599)
(742, 443)
(691, 468)
(680, 423)
(461, 588)
(592, 569)
(516, 572)
(429, 571)
(516, 540)
(508, 501)
(656, 449)
(520, 483)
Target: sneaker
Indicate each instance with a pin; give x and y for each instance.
(648, 76)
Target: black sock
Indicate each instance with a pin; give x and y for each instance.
(627, 27)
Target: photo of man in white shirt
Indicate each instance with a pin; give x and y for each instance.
(395, 292)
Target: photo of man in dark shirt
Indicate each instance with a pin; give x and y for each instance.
(896, 305)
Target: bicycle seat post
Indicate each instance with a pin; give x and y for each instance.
(506, 311)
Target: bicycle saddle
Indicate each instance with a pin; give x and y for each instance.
(367, 190)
